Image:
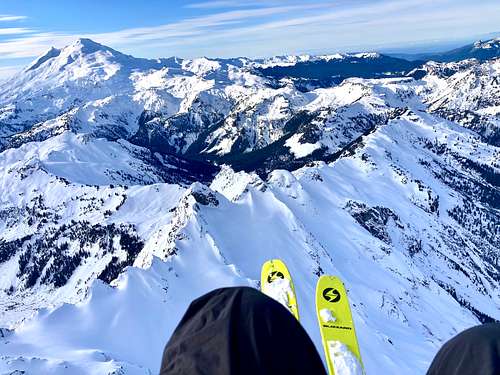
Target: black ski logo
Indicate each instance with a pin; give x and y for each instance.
(274, 275)
(331, 295)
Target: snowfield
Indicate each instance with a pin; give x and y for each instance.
(113, 216)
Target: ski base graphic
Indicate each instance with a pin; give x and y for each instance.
(276, 282)
(337, 327)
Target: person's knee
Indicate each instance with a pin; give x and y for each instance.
(474, 351)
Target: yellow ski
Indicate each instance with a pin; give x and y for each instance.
(336, 326)
(276, 282)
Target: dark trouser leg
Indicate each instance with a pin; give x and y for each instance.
(474, 351)
(239, 331)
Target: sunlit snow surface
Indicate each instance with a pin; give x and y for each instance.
(299, 218)
(344, 362)
(405, 266)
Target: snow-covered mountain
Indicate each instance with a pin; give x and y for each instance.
(469, 94)
(195, 172)
(216, 108)
(480, 50)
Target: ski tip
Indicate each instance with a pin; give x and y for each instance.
(276, 262)
(274, 268)
(329, 277)
(277, 283)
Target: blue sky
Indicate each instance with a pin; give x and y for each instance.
(155, 28)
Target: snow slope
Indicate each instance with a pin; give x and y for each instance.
(399, 305)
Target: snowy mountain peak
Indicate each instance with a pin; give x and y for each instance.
(291, 60)
(488, 44)
(84, 48)
(50, 54)
(86, 45)
(61, 78)
(80, 49)
(367, 55)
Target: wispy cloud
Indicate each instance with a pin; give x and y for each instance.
(189, 28)
(200, 25)
(15, 30)
(232, 4)
(9, 17)
(333, 25)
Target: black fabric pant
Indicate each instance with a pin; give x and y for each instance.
(239, 331)
(475, 351)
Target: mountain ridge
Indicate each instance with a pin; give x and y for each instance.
(481, 50)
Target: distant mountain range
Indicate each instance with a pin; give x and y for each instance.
(334, 69)
(480, 50)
